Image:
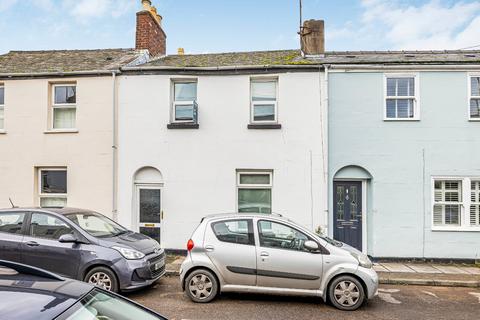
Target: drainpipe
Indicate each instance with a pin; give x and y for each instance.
(114, 146)
(325, 145)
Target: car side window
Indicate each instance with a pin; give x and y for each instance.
(11, 222)
(48, 227)
(234, 231)
(280, 236)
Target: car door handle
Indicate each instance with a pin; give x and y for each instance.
(209, 248)
(264, 254)
(32, 244)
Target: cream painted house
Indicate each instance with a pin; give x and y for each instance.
(57, 127)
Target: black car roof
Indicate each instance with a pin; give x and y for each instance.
(58, 210)
(30, 293)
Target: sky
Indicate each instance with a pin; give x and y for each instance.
(208, 26)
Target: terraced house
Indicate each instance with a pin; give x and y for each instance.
(376, 149)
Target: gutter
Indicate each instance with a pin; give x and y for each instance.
(56, 73)
(464, 67)
(114, 146)
(220, 68)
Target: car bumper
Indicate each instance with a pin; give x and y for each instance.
(135, 274)
(370, 278)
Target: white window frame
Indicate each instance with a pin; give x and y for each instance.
(63, 106)
(2, 105)
(464, 204)
(185, 103)
(50, 195)
(416, 97)
(477, 218)
(254, 186)
(470, 96)
(255, 103)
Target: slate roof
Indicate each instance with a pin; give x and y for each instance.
(294, 57)
(65, 61)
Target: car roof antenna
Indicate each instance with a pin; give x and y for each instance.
(11, 202)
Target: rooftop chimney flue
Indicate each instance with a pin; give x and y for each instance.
(312, 38)
(149, 34)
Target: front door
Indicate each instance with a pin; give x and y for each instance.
(149, 211)
(347, 212)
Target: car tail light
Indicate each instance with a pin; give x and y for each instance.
(190, 245)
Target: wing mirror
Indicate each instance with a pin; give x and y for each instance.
(68, 238)
(311, 245)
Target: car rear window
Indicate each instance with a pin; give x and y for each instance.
(234, 231)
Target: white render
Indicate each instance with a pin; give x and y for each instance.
(198, 166)
(26, 143)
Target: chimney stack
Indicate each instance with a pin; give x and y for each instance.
(149, 34)
(312, 37)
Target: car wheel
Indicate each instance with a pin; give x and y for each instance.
(102, 277)
(346, 293)
(201, 286)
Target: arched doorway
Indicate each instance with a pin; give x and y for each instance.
(148, 183)
(350, 206)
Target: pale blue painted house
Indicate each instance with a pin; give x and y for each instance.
(404, 152)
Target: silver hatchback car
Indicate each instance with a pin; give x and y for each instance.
(271, 254)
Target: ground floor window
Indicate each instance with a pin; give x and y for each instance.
(456, 202)
(254, 191)
(52, 187)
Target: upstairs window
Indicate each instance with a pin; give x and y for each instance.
(474, 98)
(185, 107)
(263, 100)
(53, 187)
(64, 107)
(401, 101)
(2, 107)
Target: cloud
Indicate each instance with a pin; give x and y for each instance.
(85, 10)
(6, 4)
(431, 25)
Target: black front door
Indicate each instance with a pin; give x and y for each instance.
(347, 212)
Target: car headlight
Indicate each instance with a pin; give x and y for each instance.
(130, 254)
(362, 259)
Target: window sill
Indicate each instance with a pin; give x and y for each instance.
(474, 119)
(3, 132)
(456, 229)
(54, 131)
(264, 126)
(400, 119)
(183, 126)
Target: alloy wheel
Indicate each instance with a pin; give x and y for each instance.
(346, 293)
(200, 286)
(101, 280)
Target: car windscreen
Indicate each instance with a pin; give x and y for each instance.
(98, 304)
(96, 224)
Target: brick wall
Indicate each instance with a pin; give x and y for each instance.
(149, 34)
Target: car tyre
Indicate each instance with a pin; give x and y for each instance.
(102, 277)
(346, 293)
(201, 286)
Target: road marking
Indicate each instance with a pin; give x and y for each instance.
(386, 295)
(476, 294)
(430, 294)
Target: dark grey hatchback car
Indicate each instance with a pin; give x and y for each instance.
(82, 245)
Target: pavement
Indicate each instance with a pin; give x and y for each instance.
(394, 302)
(409, 273)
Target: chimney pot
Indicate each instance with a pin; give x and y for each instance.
(181, 51)
(312, 38)
(146, 4)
